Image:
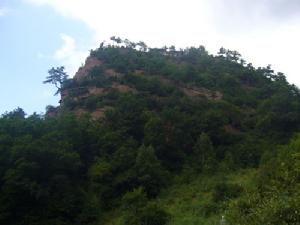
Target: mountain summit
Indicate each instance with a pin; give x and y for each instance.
(156, 136)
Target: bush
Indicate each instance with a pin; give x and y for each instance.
(224, 191)
(210, 208)
(153, 214)
(138, 211)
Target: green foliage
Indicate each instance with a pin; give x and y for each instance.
(205, 157)
(224, 191)
(150, 173)
(209, 209)
(153, 214)
(171, 133)
(58, 77)
(138, 211)
(276, 199)
(134, 201)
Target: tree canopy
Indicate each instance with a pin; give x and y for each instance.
(57, 76)
(155, 136)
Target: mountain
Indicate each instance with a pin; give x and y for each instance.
(156, 136)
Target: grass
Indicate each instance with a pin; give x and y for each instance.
(190, 199)
(192, 203)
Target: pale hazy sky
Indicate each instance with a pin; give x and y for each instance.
(263, 31)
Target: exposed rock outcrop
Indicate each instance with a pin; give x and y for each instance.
(90, 63)
(195, 91)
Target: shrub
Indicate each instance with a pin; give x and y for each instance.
(224, 191)
(153, 214)
(137, 211)
(210, 208)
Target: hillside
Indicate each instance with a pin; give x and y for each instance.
(159, 75)
(155, 136)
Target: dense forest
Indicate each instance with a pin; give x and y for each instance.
(156, 136)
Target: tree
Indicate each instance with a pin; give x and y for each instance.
(153, 132)
(205, 154)
(134, 201)
(142, 46)
(57, 76)
(18, 113)
(116, 39)
(150, 173)
(222, 51)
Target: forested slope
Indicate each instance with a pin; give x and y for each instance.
(156, 136)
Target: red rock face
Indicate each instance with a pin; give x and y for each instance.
(90, 63)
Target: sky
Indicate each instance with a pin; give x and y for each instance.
(36, 35)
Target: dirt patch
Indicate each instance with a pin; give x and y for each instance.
(231, 129)
(64, 94)
(91, 91)
(193, 91)
(90, 63)
(96, 90)
(99, 113)
(79, 112)
(216, 95)
(112, 73)
(123, 88)
(96, 114)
